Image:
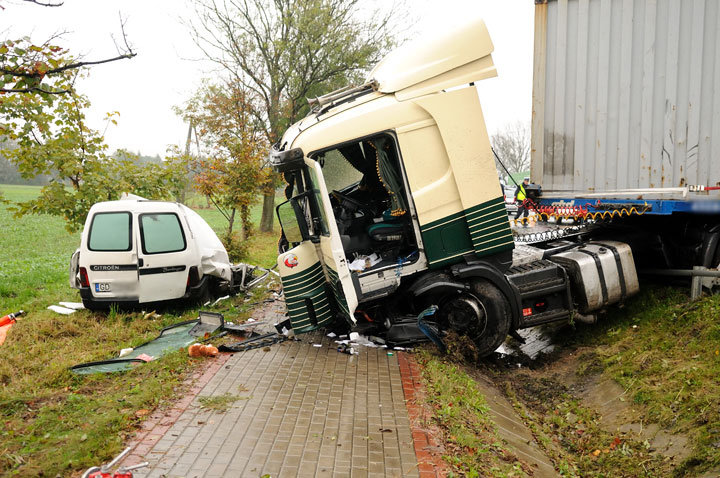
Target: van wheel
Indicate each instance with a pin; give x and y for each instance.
(482, 314)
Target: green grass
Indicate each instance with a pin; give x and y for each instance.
(51, 421)
(34, 256)
(459, 409)
(665, 351)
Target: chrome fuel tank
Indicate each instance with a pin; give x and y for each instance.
(602, 273)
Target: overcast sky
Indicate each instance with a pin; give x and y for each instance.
(145, 89)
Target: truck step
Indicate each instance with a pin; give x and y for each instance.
(544, 292)
(537, 278)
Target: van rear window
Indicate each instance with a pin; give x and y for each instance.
(110, 231)
(161, 233)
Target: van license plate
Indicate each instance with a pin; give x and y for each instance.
(102, 287)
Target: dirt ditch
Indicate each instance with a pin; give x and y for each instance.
(562, 415)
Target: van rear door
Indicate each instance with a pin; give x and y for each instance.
(112, 256)
(164, 256)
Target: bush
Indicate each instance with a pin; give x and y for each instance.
(237, 248)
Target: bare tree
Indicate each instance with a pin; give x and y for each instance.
(512, 145)
(284, 51)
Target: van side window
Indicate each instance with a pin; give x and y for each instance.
(161, 233)
(110, 231)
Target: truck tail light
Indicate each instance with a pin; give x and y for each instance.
(84, 281)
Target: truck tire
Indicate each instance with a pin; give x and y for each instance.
(483, 315)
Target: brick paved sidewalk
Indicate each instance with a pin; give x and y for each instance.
(305, 411)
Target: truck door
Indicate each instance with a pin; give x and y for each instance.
(331, 249)
(315, 274)
(111, 257)
(164, 256)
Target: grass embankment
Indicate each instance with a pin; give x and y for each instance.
(665, 351)
(661, 348)
(473, 447)
(51, 421)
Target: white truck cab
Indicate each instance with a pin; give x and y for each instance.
(135, 251)
(394, 205)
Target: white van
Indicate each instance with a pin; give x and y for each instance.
(135, 251)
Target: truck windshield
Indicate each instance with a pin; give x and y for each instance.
(338, 172)
(110, 231)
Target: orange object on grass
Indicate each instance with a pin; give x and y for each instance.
(199, 350)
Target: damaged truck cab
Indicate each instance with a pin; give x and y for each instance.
(394, 205)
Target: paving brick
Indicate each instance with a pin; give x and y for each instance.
(308, 411)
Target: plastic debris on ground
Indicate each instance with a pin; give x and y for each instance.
(346, 349)
(72, 305)
(207, 324)
(394, 333)
(246, 327)
(253, 342)
(61, 310)
(170, 339)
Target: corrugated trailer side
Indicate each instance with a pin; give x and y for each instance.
(626, 95)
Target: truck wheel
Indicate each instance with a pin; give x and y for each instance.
(483, 315)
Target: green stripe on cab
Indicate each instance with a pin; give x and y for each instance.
(482, 229)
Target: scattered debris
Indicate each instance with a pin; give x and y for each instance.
(253, 343)
(72, 305)
(248, 326)
(207, 324)
(151, 315)
(61, 310)
(145, 357)
(346, 349)
(220, 299)
(200, 350)
(395, 332)
(103, 471)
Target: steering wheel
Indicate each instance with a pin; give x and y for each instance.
(349, 203)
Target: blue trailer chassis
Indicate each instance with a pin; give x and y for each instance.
(660, 207)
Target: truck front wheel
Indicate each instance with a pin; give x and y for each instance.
(482, 314)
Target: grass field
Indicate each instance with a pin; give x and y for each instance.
(51, 421)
